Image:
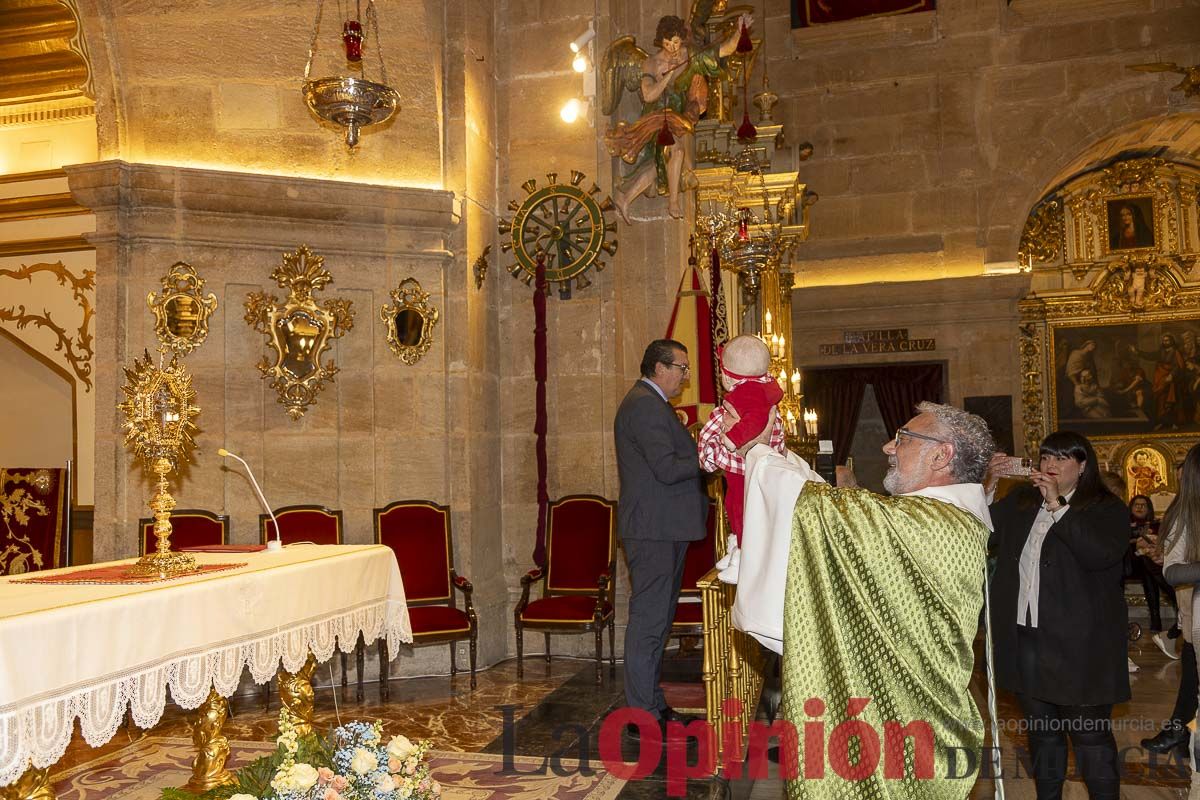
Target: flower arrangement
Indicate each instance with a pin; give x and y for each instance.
(352, 763)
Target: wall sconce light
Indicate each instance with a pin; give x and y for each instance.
(573, 109)
(580, 62)
(583, 39)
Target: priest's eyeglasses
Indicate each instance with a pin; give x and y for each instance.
(906, 432)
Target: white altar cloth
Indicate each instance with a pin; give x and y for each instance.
(91, 651)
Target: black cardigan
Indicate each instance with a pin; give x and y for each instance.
(1082, 618)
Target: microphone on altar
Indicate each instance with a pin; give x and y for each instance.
(273, 544)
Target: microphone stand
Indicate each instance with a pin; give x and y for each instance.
(272, 544)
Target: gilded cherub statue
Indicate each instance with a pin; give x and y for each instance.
(673, 87)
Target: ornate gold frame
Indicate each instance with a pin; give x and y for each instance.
(298, 330)
(181, 286)
(1078, 281)
(409, 297)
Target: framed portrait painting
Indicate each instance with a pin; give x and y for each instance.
(1129, 223)
(1125, 379)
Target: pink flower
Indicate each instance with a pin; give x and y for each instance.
(339, 783)
(324, 775)
(395, 765)
(331, 794)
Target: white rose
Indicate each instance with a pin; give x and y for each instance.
(400, 747)
(304, 776)
(384, 783)
(364, 761)
(243, 796)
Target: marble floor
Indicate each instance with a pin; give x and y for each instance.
(558, 708)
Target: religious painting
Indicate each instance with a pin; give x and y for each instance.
(1127, 379)
(806, 13)
(1129, 223)
(1146, 472)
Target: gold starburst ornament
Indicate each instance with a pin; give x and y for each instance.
(159, 423)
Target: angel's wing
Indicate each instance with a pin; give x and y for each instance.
(620, 70)
(698, 19)
(1159, 66)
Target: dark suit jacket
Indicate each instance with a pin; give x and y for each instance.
(662, 492)
(1082, 617)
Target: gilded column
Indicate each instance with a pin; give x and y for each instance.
(34, 784)
(296, 695)
(212, 749)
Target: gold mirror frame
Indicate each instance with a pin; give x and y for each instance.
(181, 286)
(298, 330)
(409, 297)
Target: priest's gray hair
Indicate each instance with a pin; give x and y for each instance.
(973, 444)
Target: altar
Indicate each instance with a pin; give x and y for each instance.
(94, 651)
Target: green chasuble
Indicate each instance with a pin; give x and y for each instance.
(882, 604)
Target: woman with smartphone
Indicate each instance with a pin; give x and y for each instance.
(1143, 536)
(1181, 537)
(1058, 615)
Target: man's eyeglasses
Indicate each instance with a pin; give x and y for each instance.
(685, 368)
(906, 432)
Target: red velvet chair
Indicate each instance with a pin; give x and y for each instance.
(190, 527)
(578, 581)
(419, 533)
(37, 519)
(305, 523)
(700, 558)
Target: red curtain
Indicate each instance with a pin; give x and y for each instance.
(837, 395)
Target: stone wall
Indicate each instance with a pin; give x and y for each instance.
(216, 84)
(972, 321)
(935, 133)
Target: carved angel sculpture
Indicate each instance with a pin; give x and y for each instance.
(1190, 85)
(672, 85)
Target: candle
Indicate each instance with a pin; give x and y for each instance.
(791, 422)
(810, 422)
(796, 382)
(768, 322)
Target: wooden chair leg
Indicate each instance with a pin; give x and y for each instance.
(520, 651)
(360, 648)
(547, 636)
(453, 661)
(345, 670)
(266, 696)
(612, 647)
(599, 656)
(385, 669)
(472, 659)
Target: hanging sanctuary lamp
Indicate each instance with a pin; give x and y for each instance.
(351, 102)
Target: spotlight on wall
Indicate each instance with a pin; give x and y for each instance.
(580, 62)
(583, 39)
(573, 109)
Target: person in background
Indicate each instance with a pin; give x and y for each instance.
(1058, 614)
(1143, 536)
(1175, 734)
(1113, 481)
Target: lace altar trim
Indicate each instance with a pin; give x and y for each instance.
(39, 733)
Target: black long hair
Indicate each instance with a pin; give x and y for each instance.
(1090, 489)
(1149, 517)
(1183, 515)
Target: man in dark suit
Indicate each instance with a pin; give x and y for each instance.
(663, 507)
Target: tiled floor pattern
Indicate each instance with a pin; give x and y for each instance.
(559, 708)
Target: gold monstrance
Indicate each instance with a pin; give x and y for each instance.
(158, 428)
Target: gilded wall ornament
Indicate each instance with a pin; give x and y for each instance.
(1133, 286)
(1190, 85)
(298, 330)
(1045, 233)
(76, 346)
(1032, 396)
(181, 312)
(409, 320)
(480, 267)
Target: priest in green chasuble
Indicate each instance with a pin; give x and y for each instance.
(873, 602)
